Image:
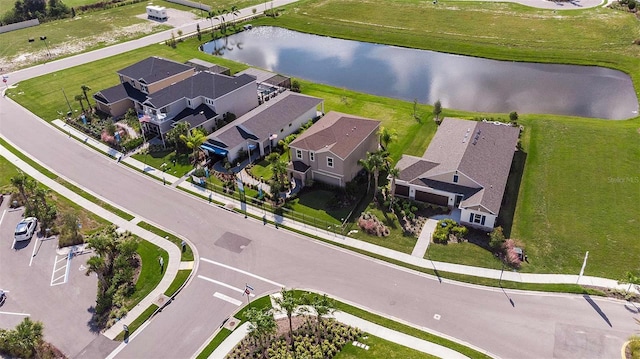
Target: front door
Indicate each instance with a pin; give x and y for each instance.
(459, 199)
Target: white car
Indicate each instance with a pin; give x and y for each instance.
(25, 229)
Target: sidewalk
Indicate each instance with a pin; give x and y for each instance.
(412, 259)
(367, 327)
(174, 252)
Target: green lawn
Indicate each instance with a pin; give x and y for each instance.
(463, 253)
(186, 256)
(380, 349)
(150, 274)
(163, 160)
(315, 204)
(262, 170)
(181, 277)
(396, 240)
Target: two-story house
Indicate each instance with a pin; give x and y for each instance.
(466, 166)
(257, 131)
(137, 82)
(329, 150)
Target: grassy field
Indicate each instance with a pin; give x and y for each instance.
(150, 274)
(187, 254)
(156, 160)
(380, 349)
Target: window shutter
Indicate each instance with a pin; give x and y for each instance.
(482, 221)
(471, 217)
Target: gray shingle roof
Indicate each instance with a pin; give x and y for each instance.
(119, 93)
(483, 151)
(336, 132)
(154, 69)
(266, 119)
(205, 84)
(195, 117)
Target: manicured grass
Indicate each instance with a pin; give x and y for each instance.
(7, 171)
(396, 239)
(463, 253)
(166, 158)
(181, 277)
(315, 204)
(380, 349)
(262, 170)
(150, 274)
(138, 321)
(214, 343)
(187, 255)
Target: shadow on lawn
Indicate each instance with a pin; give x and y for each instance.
(510, 200)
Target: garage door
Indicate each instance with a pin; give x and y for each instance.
(326, 179)
(432, 198)
(402, 190)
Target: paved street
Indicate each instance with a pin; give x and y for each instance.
(238, 251)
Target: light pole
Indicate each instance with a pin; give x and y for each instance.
(44, 38)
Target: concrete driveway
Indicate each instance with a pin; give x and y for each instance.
(45, 285)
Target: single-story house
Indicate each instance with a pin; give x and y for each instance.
(466, 166)
(256, 131)
(329, 150)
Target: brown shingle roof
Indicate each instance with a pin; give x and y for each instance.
(336, 132)
(483, 151)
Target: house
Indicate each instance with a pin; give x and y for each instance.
(139, 80)
(466, 166)
(255, 131)
(201, 65)
(330, 149)
(165, 92)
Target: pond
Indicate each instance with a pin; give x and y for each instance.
(459, 82)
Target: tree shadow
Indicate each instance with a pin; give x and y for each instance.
(510, 199)
(597, 309)
(93, 323)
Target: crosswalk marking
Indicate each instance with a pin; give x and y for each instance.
(223, 284)
(227, 298)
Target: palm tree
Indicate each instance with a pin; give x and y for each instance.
(437, 110)
(393, 173)
(321, 305)
(26, 337)
(220, 17)
(288, 302)
(386, 136)
(86, 88)
(261, 324)
(79, 98)
(367, 166)
(194, 139)
(235, 12)
(279, 169)
(211, 15)
(379, 160)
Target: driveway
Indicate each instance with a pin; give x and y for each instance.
(46, 286)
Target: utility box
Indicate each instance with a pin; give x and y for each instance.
(157, 13)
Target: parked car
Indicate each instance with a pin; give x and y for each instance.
(25, 229)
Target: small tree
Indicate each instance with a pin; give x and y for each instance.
(261, 325)
(194, 139)
(437, 110)
(198, 31)
(69, 232)
(496, 239)
(631, 279)
(23, 341)
(513, 117)
(321, 305)
(288, 302)
(295, 86)
(79, 98)
(86, 89)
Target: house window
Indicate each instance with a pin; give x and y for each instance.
(312, 156)
(455, 178)
(189, 102)
(330, 162)
(477, 218)
(299, 154)
(144, 89)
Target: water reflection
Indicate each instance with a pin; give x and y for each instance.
(459, 82)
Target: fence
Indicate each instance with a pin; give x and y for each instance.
(284, 212)
(19, 25)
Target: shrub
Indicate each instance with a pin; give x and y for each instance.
(132, 143)
(447, 227)
(370, 224)
(496, 239)
(511, 256)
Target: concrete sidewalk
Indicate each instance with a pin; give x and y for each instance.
(174, 252)
(367, 327)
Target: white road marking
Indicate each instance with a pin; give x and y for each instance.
(1, 218)
(436, 316)
(224, 285)
(61, 279)
(243, 272)
(227, 298)
(15, 313)
(33, 253)
(13, 245)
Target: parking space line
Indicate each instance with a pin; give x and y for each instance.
(14, 313)
(227, 298)
(33, 253)
(224, 285)
(243, 272)
(1, 218)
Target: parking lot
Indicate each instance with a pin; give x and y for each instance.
(47, 285)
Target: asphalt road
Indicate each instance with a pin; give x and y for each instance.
(509, 324)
